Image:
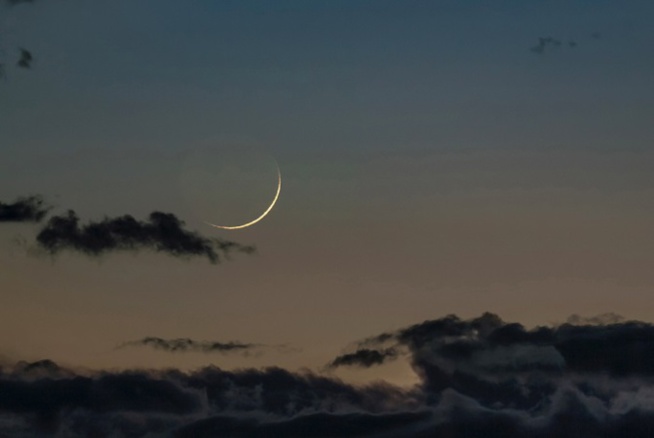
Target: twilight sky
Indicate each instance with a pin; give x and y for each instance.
(437, 157)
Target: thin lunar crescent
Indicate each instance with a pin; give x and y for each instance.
(265, 213)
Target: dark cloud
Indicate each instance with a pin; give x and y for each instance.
(487, 344)
(29, 209)
(545, 43)
(477, 377)
(25, 60)
(364, 357)
(208, 402)
(581, 378)
(310, 425)
(162, 232)
(43, 400)
(186, 344)
(40, 368)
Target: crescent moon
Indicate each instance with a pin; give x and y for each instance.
(264, 214)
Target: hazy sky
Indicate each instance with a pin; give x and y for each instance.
(437, 157)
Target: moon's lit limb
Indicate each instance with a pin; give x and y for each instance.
(270, 207)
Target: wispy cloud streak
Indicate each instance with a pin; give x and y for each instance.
(186, 344)
(364, 357)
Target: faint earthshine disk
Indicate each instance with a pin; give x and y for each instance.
(230, 185)
(264, 214)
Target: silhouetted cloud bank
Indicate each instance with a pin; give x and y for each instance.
(162, 232)
(28, 209)
(481, 377)
(209, 402)
(489, 346)
(186, 344)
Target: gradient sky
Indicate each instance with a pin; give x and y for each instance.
(432, 164)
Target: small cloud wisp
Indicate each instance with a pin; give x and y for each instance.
(186, 345)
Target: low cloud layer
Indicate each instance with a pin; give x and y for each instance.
(190, 345)
(43, 398)
(162, 232)
(28, 209)
(478, 377)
